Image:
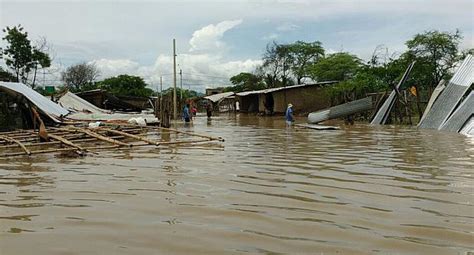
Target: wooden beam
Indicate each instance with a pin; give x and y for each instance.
(6, 138)
(136, 137)
(189, 133)
(66, 142)
(99, 136)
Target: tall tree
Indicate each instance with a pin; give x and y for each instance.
(20, 56)
(277, 62)
(435, 52)
(80, 76)
(304, 54)
(245, 82)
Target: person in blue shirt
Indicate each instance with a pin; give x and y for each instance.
(186, 115)
(289, 115)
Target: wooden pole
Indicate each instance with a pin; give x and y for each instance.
(66, 141)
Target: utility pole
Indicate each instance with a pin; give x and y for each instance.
(175, 111)
(181, 82)
(161, 95)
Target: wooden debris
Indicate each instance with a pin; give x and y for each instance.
(6, 138)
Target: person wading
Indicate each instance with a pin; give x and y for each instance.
(186, 115)
(289, 115)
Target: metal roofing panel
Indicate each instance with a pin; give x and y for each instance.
(46, 106)
(384, 111)
(451, 96)
(74, 103)
(271, 90)
(468, 129)
(462, 114)
(217, 97)
(341, 110)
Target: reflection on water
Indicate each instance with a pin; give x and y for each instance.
(267, 189)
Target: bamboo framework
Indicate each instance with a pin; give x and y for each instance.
(82, 140)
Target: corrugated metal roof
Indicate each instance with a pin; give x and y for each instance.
(446, 103)
(74, 103)
(468, 129)
(461, 115)
(265, 91)
(217, 97)
(44, 105)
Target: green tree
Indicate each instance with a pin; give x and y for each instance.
(435, 53)
(276, 67)
(335, 67)
(304, 55)
(126, 85)
(20, 56)
(80, 77)
(7, 76)
(245, 82)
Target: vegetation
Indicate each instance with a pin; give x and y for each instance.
(435, 53)
(21, 57)
(80, 77)
(125, 85)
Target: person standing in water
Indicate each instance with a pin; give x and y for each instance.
(186, 115)
(209, 111)
(289, 115)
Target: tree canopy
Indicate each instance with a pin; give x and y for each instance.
(126, 85)
(20, 56)
(80, 77)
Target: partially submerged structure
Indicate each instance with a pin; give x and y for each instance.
(342, 110)
(304, 97)
(383, 113)
(81, 110)
(18, 100)
(451, 97)
(82, 140)
(105, 100)
(223, 102)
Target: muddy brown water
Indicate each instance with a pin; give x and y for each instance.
(265, 190)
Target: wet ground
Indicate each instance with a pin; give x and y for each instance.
(266, 189)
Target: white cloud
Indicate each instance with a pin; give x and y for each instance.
(287, 27)
(202, 66)
(271, 36)
(209, 37)
(114, 67)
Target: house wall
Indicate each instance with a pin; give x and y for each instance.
(304, 99)
(249, 103)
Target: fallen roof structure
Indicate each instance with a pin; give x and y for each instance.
(384, 112)
(436, 92)
(81, 110)
(218, 97)
(462, 114)
(81, 140)
(47, 107)
(341, 110)
(452, 95)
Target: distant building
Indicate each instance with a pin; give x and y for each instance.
(210, 92)
(304, 97)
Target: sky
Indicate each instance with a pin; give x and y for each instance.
(218, 39)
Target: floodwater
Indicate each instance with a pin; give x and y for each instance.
(265, 190)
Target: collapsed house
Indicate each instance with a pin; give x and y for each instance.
(304, 97)
(223, 102)
(17, 102)
(81, 110)
(69, 129)
(105, 100)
